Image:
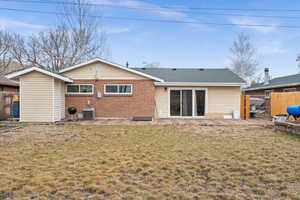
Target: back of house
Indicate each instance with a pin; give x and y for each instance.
(114, 91)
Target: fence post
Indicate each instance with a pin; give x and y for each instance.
(245, 107)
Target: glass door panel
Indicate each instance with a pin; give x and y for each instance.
(175, 102)
(200, 102)
(187, 103)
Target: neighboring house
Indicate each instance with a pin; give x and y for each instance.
(7, 85)
(289, 83)
(263, 90)
(114, 91)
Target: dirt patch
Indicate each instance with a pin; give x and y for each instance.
(242, 132)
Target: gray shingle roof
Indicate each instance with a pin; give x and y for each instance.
(193, 75)
(283, 81)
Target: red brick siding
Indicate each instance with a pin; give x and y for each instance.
(9, 89)
(140, 103)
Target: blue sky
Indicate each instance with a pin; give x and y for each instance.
(180, 45)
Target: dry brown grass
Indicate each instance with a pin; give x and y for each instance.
(148, 162)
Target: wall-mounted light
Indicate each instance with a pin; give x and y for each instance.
(166, 88)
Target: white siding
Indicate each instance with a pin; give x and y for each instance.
(105, 72)
(36, 96)
(161, 102)
(223, 99)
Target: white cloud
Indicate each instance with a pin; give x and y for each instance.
(152, 8)
(271, 48)
(6, 23)
(143, 5)
(240, 21)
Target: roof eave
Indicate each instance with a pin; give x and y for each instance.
(28, 70)
(270, 87)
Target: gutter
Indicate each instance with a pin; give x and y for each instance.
(196, 84)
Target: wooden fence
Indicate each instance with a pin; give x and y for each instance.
(245, 107)
(6, 104)
(281, 100)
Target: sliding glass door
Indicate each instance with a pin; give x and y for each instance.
(175, 103)
(200, 102)
(187, 102)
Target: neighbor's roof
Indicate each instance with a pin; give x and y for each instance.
(7, 82)
(284, 81)
(31, 69)
(194, 75)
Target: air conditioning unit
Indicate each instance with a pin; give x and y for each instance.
(88, 114)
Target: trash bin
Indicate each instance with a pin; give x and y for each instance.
(16, 109)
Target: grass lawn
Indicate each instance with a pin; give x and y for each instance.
(148, 162)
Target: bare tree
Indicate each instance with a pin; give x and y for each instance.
(257, 79)
(77, 38)
(298, 60)
(243, 60)
(5, 53)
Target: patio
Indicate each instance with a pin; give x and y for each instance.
(203, 122)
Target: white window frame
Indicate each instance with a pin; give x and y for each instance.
(288, 89)
(118, 93)
(80, 93)
(270, 92)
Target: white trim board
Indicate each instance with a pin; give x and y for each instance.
(53, 100)
(28, 70)
(116, 84)
(79, 93)
(112, 64)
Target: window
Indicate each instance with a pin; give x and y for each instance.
(289, 90)
(80, 89)
(118, 89)
(268, 94)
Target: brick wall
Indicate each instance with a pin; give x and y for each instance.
(140, 103)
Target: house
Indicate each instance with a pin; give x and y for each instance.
(289, 83)
(115, 91)
(263, 90)
(7, 85)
